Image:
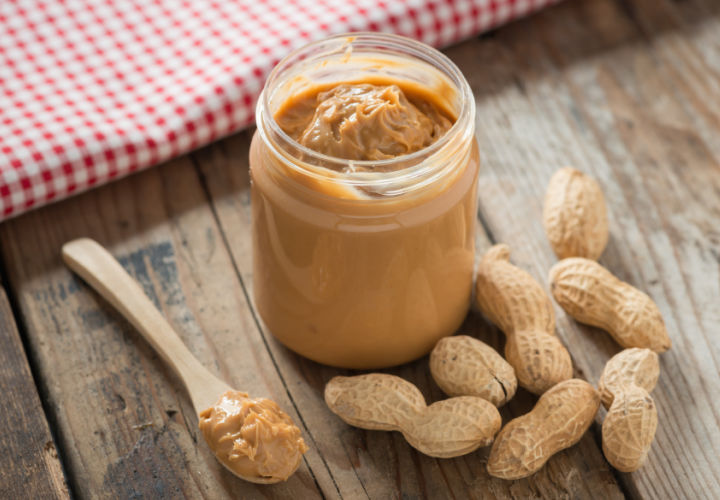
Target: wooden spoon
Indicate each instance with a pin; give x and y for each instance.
(102, 272)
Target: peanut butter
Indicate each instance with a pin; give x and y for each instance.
(362, 121)
(364, 207)
(253, 438)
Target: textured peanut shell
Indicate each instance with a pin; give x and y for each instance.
(592, 295)
(519, 306)
(465, 366)
(445, 429)
(575, 215)
(509, 296)
(540, 360)
(635, 366)
(559, 419)
(629, 428)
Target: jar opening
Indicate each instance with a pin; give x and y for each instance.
(394, 55)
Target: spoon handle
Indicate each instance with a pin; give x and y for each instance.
(102, 272)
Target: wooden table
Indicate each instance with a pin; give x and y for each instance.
(627, 90)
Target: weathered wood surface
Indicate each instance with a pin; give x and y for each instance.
(627, 90)
(125, 425)
(379, 464)
(630, 93)
(29, 463)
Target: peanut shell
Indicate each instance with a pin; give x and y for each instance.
(465, 366)
(592, 295)
(575, 215)
(519, 306)
(448, 428)
(633, 366)
(629, 428)
(559, 419)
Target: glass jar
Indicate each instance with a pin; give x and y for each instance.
(362, 264)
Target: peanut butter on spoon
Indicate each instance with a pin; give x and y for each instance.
(253, 438)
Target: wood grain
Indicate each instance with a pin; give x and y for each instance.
(125, 423)
(625, 90)
(359, 459)
(29, 464)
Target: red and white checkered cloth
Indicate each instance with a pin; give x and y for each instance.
(91, 90)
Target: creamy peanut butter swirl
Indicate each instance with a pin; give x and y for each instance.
(363, 121)
(253, 437)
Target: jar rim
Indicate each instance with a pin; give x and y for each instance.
(408, 46)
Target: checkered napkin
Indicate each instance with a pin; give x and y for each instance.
(91, 90)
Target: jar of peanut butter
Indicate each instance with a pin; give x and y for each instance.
(364, 168)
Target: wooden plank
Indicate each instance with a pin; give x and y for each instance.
(559, 88)
(384, 465)
(125, 424)
(29, 463)
(628, 92)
